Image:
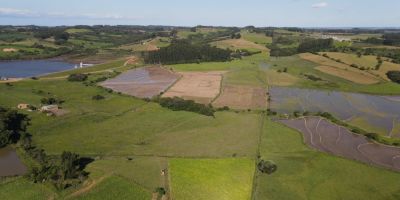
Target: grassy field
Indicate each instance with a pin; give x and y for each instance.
(22, 189)
(363, 61)
(115, 187)
(257, 38)
(307, 174)
(298, 67)
(239, 44)
(229, 179)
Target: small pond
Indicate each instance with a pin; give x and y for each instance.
(10, 164)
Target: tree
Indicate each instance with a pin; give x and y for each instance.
(77, 77)
(394, 76)
(69, 165)
(267, 167)
(12, 125)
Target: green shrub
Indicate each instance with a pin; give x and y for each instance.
(177, 103)
(77, 77)
(394, 76)
(98, 97)
(267, 167)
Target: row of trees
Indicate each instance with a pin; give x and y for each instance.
(62, 172)
(309, 45)
(177, 104)
(183, 51)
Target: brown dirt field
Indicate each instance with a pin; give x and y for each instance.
(239, 44)
(201, 87)
(327, 137)
(131, 61)
(9, 50)
(142, 82)
(348, 75)
(242, 97)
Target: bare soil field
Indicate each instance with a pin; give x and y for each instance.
(9, 50)
(201, 87)
(242, 97)
(327, 137)
(348, 75)
(142, 82)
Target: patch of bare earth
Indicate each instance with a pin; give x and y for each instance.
(242, 97)
(327, 137)
(201, 87)
(9, 50)
(143, 82)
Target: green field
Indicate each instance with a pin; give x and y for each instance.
(202, 179)
(307, 174)
(137, 146)
(298, 67)
(116, 188)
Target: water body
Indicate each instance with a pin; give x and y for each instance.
(10, 164)
(30, 68)
(378, 111)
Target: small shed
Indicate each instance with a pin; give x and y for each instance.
(49, 108)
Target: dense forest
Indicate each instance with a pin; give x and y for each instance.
(183, 51)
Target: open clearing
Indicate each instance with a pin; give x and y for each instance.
(201, 87)
(280, 79)
(340, 71)
(143, 82)
(115, 187)
(386, 66)
(346, 74)
(324, 136)
(242, 97)
(239, 44)
(304, 173)
(363, 61)
(205, 179)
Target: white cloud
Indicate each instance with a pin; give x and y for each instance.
(11, 12)
(16, 12)
(320, 5)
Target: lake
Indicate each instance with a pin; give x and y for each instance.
(10, 164)
(30, 68)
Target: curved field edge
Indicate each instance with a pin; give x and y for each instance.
(304, 173)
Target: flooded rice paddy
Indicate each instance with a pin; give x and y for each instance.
(379, 114)
(325, 136)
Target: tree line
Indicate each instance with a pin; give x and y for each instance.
(62, 172)
(183, 51)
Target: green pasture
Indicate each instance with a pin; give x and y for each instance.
(223, 179)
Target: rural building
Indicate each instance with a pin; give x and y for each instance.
(9, 50)
(49, 108)
(3, 78)
(23, 106)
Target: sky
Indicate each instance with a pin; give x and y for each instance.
(261, 13)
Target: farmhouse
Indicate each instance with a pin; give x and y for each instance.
(49, 108)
